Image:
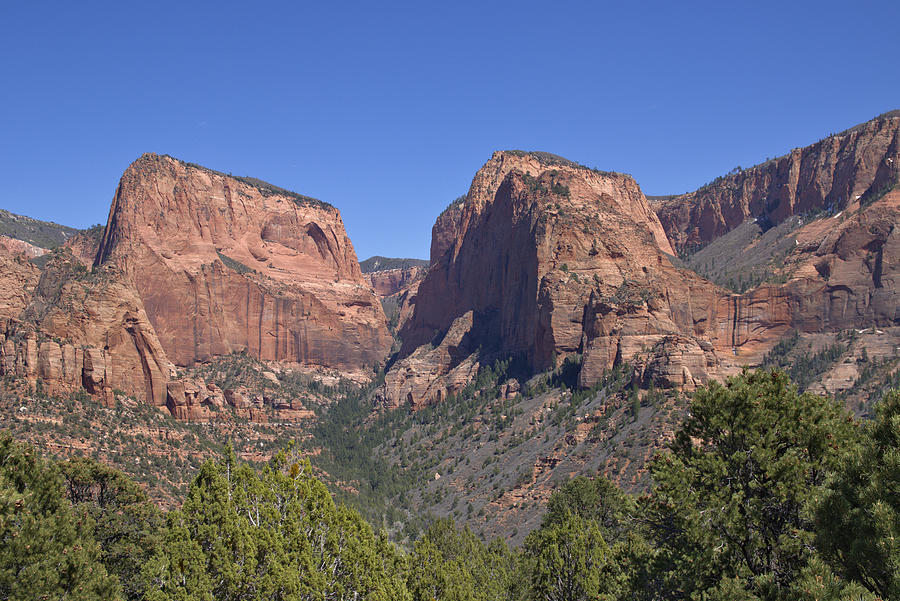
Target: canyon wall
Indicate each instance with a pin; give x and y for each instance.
(225, 264)
(388, 282)
(81, 329)
(539, 244)
(829, 175)
(192, 264)
(545, 259)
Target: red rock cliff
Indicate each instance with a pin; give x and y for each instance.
(81, 329)
(225, 264)
(388, 282)
(519, 224)
(513, 269)
(831, 173)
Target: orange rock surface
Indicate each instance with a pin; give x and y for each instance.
(226, 264)
(388, 282)
(832, 173)
(192, 263)
(21, 247)
(545, 259)
(539, 245)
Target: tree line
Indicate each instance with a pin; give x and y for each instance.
(763, 493)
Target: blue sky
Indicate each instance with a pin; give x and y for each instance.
(386, 110)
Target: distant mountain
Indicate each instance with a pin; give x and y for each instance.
(44, 234)
(378, 263)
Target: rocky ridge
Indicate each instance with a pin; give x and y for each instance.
(834, 266)
(16, 246)
(193, 264)
(546, 259)
(40, 234)
(829, 175)
(226, 264)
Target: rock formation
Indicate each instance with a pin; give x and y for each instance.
(225, 264)
(85, 245)
(192, 264)
(542, 259)
(18, 278)
(844, 269)
(397, 289)
(830, 174)
(85, 330)
(389, 282)
(546, 258)
(16, 247)
(840, 268)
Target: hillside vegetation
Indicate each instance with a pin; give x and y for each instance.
(44, 234)
(762, 493)
(379, 263)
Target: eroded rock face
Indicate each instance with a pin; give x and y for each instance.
(85, 330)
(226, 264)
(16, 247)
(552, 259)
(397, 289)
(389, 282)
(537, 246)
(840, 269)
(432, 374)
(205, 264)
(845, 270)
(84, 245)
(832, 173)
(18, 278)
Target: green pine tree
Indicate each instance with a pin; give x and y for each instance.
(568, 560)
(453, 564)
(731, 511)
(859, 517)
(46, 549)
(126, 524)
(272, 536)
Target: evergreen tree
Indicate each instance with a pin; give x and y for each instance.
(595, 499)
(46, 550)
(177, 571)
(273, 536)
(453, 564)
(859, 518)
(568, 560)
(126, 524)
(731, 511)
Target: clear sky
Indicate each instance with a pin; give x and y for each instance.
(386, 109)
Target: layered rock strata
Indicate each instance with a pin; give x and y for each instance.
(82, 329)
(546, 258)
(192, 264)
(829, 175)
(225, 264)
(389, 282)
